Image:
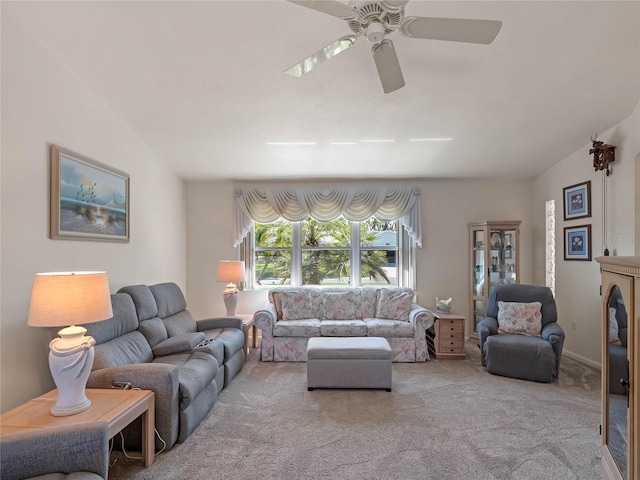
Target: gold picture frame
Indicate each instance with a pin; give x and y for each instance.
(89, 200)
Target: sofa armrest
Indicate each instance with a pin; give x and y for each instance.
(65, 449)
(265, 318)
(147, 376)
(486, 327)
(554, 334)
(161, 378)
(421, 317)
(178, 344)
(218, 322)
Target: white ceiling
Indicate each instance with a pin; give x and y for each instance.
(202, 84)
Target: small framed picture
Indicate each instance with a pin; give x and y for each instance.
(577, 243)
(577, 201)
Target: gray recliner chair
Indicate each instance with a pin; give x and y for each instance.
(78, 451)
(522, 356)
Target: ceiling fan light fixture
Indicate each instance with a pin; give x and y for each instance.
(375, 32)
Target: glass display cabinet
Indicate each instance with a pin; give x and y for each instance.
(620, 371)
(494, 248)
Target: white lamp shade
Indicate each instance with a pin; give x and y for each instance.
(231, 271)
(61, 299)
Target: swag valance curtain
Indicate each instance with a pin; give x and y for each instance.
(266, 205)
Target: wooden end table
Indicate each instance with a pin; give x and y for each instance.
(449, 339)
(247, 323)
(116, 407)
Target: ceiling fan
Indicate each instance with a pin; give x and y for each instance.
(377, 19)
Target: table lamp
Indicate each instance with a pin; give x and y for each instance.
(232, 272)
(67, 299)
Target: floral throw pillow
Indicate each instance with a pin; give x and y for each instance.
(520, 318)
(394, 304)
(296, 305)
(338, 306)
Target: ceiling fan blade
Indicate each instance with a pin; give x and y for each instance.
(451, 29)
(384, 55)
(329, 7)
(321, 56)
(393, 5)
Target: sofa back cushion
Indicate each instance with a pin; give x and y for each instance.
(146, 306)
(124, 320)
(124, 350)
(296, 305)
(172, 309)
(339, 306)
(169, 299)
(394, 303)
(363, 299)
(154, 331)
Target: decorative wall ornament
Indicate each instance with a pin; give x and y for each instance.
(577, 200)
(603, 155)
(577, 243)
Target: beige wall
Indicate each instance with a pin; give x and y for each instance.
(442, 264)
(578, 282)
(44, 103)
(179, 232)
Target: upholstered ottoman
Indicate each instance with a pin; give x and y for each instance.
(349, 362)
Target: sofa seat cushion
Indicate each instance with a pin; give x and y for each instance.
(343, 328)
(520, 356)
(195, 372)
(380, 327)
(297, 328)
(232, 340)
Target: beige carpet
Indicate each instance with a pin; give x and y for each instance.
(443, 420)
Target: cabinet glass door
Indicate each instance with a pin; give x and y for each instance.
(478, 275)
(502, 257)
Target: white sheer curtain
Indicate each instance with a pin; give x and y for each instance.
(266, 205)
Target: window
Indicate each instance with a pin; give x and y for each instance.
(326, 253)
(550, 254)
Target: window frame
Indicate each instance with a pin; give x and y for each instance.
(405, 256)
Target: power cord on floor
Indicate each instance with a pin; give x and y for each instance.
(124, 451)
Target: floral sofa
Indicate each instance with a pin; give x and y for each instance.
(294, 314)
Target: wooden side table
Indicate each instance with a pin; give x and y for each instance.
(247, 323)
(449, 339)
(116, 407)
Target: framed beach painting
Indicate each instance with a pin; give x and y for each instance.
(89, 200)
(577, 243)
(577, 201)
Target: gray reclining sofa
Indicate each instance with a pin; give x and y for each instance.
(154, 343)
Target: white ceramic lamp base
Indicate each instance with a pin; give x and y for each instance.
(70, 361)
(231, 302)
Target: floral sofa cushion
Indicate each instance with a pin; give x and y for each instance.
(296, 305)
(520, 318)
(394, 304)
(338, 306)
(297, 328)
(343, 328)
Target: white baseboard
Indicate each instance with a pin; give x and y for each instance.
(582, 359)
